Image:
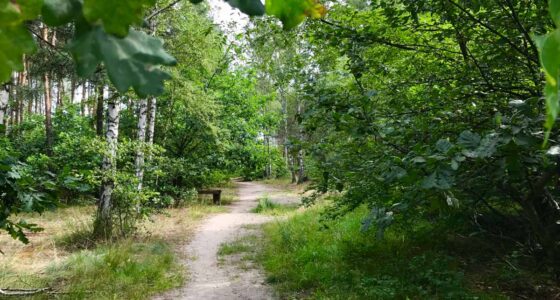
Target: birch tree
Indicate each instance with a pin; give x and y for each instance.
(103, 224)
(4, 97)
(142, 120)
(151, 120)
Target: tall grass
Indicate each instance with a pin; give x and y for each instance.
(126, 270)
(269, 207)
(307, 259)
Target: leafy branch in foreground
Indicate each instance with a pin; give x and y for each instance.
(549, 48)
(133, 59)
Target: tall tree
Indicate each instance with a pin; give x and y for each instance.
(142, 120)
(103, 227)
(151, 120)
(4, 98)
(48, 98)
(100, 110)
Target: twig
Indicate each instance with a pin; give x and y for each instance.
(159, 11)
(22, 292)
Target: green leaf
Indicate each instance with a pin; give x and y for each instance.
(249, 7)
(59, 12)
(132, 61)
(440, 179)
(293, 12)
(116, 16)
(488, 146)
(549, 47)
(454, 165)
(15, 41)
(419, 160)
(28, 9)
(554, 8)
(443, 146)
(85, 51)
(468, 140)
(552, 106)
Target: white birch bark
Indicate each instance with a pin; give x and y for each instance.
(4, 98)
(151, 121)
(142, 121)
(104, 224)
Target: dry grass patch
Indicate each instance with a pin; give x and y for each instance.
(61, 257)
(44, 247)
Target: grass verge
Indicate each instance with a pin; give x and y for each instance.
(307, 259)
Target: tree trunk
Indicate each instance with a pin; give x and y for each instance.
(60, 90)
(301, 155)
(83, 100)
(11, 104)
(268, 159)
(99, 113)
(4, 97)
(31, 99)
(103, 227)
(142, 118)
(293, 169)
(72, 89)
(48, 102)
(152, 121)
(301, 163)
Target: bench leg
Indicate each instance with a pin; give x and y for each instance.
(216, 198)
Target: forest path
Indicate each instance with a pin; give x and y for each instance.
(210, 279)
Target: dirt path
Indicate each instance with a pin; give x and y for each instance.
(209, 279)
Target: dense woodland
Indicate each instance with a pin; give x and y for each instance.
(421, 119)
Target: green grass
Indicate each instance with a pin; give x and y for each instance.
(271, 208)
(244, 244)
(127, 270)
(66, 259)
(305, 259)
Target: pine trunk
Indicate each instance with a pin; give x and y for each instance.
(142, 121)
(104, 224)
(60, 90)
(48, 102)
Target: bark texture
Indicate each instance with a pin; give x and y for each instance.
(4, 97)
(48, 101)
(103, 224)
(151, 121)
(142, 121)
(99, 112)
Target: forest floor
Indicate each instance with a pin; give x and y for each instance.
(211, 275)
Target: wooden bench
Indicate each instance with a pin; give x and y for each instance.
(216, 195)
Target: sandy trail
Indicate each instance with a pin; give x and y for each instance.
(208, 279)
